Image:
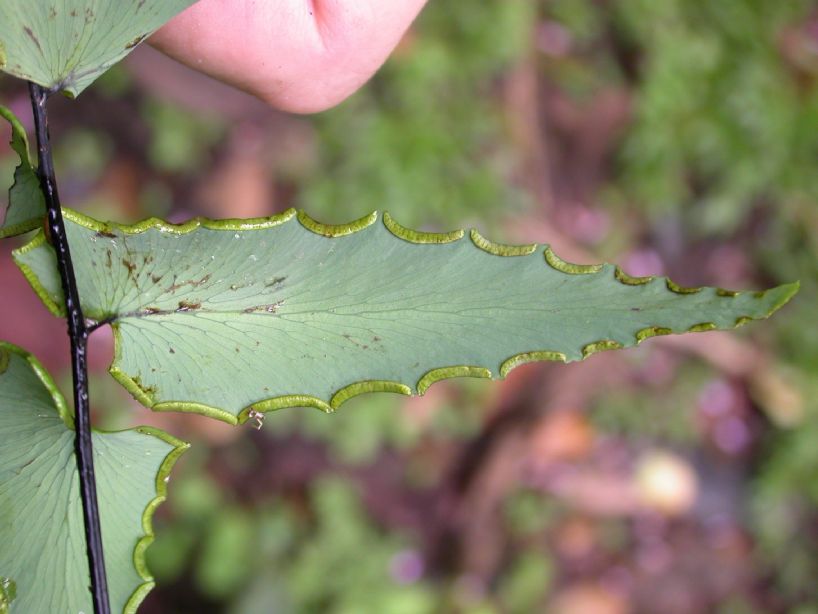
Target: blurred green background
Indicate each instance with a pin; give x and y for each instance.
(671, 136)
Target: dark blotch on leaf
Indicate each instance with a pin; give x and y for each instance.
(191, 282)
(274, 281)
(131, 268)
(30, 34)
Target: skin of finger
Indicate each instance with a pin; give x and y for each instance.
(299, 56)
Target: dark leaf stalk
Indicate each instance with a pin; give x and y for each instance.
(78, 334)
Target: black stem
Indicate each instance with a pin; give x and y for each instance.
(78, 333)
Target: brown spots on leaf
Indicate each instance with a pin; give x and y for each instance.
(105, 233)
(188, 306)
(194, 283)
(274, 281)
(52, 12)
(349, 338)
(151, 310)
(131, 269)
(156, 278)
(31, 35)
(108, 260)
(269, 308)
(172, 351)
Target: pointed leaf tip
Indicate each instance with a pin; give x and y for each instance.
(781, 295)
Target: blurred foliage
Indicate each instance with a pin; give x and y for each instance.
(659, 414)
(783, 507)
(382, 508)
(178, 140)
(723, 122)
(424, 139)
(279, 562)
(372, 422)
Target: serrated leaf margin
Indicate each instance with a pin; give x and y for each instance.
(161, 486)
(417, 236)
(353, 389)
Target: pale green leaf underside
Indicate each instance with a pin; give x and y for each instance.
(67, 44)
(26, 206)
(43, 562)
(223, 318)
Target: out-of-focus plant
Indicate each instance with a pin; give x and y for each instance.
(361, 307)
